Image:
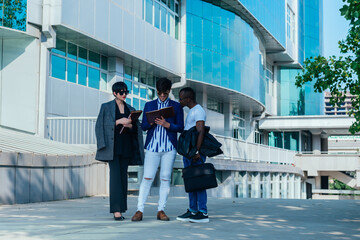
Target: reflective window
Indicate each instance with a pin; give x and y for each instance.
(163, 19)
(163, 14)
(94, 76)
(58, 67)
(82, 55)
(13, 14)
(82, 74)
(60, 47)
(157, 15)
(78, 65)
(290, 24)
(71, 71)
(140, 85)
(103, 81)
(72, 51)
(94, 59)
(223, 50)
(149, 11)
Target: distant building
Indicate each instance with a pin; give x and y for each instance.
(344, 107)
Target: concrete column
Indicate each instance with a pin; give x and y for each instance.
(116, 70)
(228, 119)
(267, 185)
(316, 143)
(276, 185)
(298, 187)
(317, 182)
(266, 138)
(324, 144)
(303, 190)
(291, 186)
(284, 188)
(244, 186)
(249, 127)
(255, 190)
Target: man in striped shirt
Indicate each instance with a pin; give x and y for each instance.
(160, 145)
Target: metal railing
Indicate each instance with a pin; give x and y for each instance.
(71, 130)
(238, 150)
(81, 130)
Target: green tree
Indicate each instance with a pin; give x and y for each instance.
(339, 74)
(14, 14)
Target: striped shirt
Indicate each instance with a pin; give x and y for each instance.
(160, 140)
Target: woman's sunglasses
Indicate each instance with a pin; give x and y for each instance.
(121, 92)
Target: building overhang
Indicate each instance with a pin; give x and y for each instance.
(324, 124)
(97, 45)
(237, 99)
(271, 44)
(9, 33)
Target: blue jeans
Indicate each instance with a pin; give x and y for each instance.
(197, 200)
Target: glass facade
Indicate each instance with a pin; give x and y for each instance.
(313, 47)
(163, 14)
(13, 14)
(287, 140)
(78, 65)
(141, 87)
(292, 98)
(303, 101)
(221, 49)
(271, 14)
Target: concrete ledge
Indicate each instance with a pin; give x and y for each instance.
(28, 177)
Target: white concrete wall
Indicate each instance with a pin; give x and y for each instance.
(119, 24)
(72, 100)
(19, 83)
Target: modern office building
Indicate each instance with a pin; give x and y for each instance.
(61, 57)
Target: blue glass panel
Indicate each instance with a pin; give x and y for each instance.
(163, 18)
(136, 103)
(149, 11)
(129, 85)
(58, 67)
(136, 89)
(128, 73)
(94, 78)
(60, 47)
(103, 81)
(157, 15)
(143, 91)
(94, 59)
(82, 74)
(82, 55)
(104, 63)
(71, 71)
(72, 51)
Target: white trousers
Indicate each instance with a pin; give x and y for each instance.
(151, 164)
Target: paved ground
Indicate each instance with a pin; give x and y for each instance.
(88, 218)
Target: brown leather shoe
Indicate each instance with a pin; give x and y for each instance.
(137, 216)
(162, 216)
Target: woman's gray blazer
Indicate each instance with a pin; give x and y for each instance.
(104, 131)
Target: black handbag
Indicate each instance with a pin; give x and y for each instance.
(199, 177)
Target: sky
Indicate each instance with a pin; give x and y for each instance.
(335, 26)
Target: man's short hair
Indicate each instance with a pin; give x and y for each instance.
(163, 85)
(118, 86)
(189, 93)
